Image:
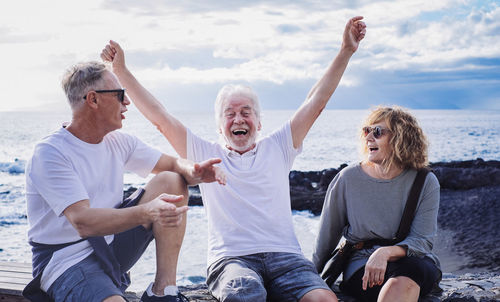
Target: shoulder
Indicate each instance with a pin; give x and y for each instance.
(432, 181)
(345, 176)
(350, 171)
(119, 136)
(52, 143)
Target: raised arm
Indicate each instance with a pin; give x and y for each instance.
(150, 107)
(321, 92)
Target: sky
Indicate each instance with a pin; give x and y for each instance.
(419, 54)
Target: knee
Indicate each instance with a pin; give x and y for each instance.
(114, 299)
(170, 183)
(244, 289)
(404, 285)
(319, 295)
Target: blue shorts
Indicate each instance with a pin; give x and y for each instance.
(86, 281)
(263, 276)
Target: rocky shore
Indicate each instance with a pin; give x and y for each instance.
(468, 225)
(484, 287)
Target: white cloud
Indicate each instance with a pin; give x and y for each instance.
(266, 41)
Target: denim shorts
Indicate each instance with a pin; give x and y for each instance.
(86, 281)
(263, 276)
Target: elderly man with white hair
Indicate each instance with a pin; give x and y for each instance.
(253, 253)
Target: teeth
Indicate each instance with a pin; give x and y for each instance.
(239, 132)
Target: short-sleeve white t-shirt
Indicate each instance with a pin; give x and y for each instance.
(252, 212)
(65, 170)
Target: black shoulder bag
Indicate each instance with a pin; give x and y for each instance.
(341, 255)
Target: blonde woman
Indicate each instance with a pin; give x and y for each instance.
(365, 201)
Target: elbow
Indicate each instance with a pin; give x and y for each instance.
(84, 228)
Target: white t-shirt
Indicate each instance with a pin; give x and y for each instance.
(252, 212)
(65, 170)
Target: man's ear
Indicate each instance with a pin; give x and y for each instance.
(91, 99)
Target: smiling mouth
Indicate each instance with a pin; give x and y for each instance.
(240, 132)
(373, 149)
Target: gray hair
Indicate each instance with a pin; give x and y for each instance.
(81, 78)
(235, 90)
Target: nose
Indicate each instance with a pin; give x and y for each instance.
(238, 119)
(370, 137)
(126, 100)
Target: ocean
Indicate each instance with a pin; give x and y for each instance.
(333, 140)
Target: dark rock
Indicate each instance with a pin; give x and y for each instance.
(469, 205)
(483, 287)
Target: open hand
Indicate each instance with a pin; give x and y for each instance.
(207, 171)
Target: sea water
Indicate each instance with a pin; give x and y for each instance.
(332, 141)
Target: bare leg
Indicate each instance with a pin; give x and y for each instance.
(168, 240)
(399, 289)
(319, 295)
(114, 299)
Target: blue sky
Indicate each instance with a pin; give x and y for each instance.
(417, 53)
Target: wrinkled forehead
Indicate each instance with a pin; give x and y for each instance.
(237, 103)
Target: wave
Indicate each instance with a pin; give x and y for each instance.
(16, 167)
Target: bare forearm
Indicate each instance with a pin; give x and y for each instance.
(324, 88)
(102, 221)
(149, 106)
(185, 168)
(392, 253)
(318, 97)
(154, 111)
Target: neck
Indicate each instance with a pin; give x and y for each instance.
(240, 152)
(86, 129)
(380, 171)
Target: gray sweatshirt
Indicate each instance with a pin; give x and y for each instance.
(360, 207)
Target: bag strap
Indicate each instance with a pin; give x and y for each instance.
(406, 218)
(411, 205)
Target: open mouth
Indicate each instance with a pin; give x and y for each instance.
(240, 132)
(373, 149)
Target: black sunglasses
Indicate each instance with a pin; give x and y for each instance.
(377, 131)
(120, 93)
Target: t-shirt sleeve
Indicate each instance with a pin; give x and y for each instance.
(54, 178)
(198, 149)
(283, 137)
(141, 158)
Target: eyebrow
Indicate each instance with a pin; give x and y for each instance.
(246, 107)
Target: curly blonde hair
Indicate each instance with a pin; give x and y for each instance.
(408, 141)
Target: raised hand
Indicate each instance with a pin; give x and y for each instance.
(114, 54)
(354, 32)
(206, 171)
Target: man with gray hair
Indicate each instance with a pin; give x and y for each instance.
(253, 254)
(85, 237)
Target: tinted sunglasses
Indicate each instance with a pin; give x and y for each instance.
(377, 131)
(120, 93)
